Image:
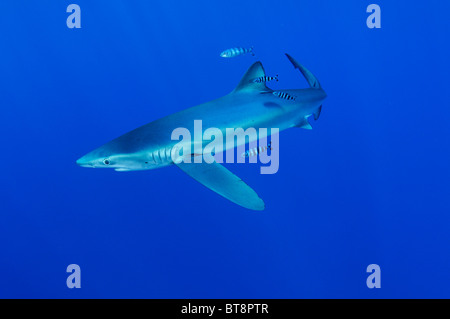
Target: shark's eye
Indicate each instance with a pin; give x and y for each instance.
(106, 162)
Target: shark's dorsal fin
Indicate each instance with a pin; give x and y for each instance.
(247, 82)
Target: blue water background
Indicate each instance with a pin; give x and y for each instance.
(369, 184)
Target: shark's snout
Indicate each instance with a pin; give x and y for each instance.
(84, 162)
(119, 162)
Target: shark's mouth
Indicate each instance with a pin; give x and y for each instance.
(122, 169)
(86, 165)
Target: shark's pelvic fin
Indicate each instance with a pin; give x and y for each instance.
(317, 113)
(217, 178)
(310, 78)
(247, 82)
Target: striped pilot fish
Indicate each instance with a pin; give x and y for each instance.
(257, 150)
(233, 52)
(265, 78)
(283, 95)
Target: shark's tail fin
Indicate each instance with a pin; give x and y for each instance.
(310, 78)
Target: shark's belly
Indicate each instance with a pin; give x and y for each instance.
(156, 137)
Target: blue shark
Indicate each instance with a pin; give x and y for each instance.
(249, 105)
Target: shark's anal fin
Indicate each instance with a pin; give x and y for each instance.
(304, 124)
(217, 178)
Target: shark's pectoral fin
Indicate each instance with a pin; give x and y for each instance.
(219, 179)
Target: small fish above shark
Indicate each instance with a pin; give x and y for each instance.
(234, 52)
(249, 105)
